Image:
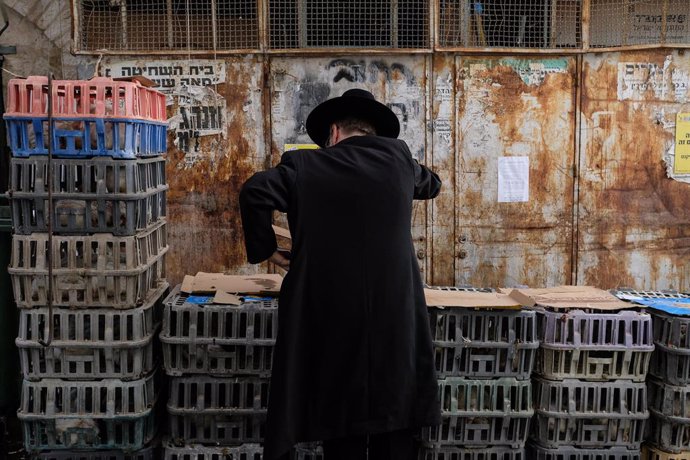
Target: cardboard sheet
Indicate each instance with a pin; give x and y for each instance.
(282, 232)
(225, 298)
(211, 283)
(463, 299)
(570, 297)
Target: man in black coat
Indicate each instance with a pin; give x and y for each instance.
(353, 363)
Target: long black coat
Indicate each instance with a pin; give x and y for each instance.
(354, 353)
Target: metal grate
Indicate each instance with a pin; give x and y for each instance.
(510, 24)
(639, 22)
(167, 25)
(348, 24)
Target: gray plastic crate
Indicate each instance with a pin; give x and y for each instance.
(484, 343)
(217, 429)
(488, 398)
(460, 453)
(51, 399)
(672, 402)
(98, 175)
(671, 359)
(670, 434)
(90, 195)
(90, 344)
(594, 346)
(305, 451)
(218, 339)
(144, 454)
(128, 434)
(589, 415)
(478, 431)
(89, 271)
(203, 395)
(650, 452)
(586, 399)
(478, 413)
(537, 452)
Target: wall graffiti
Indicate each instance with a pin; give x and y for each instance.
(188, 87)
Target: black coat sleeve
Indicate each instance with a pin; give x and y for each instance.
(427, 184)
(263, 193)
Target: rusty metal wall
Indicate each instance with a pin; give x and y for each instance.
(513, 107)
(210, 155)
(459, 114)
(634, 220)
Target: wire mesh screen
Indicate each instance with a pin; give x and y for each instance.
(510, 23)
(161, 25)
(295, 24)
(639, 22)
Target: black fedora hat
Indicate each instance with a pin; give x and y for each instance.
(357, 103)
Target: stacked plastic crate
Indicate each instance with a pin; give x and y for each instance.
(589, 390)
(88, 262)
(484, 359)
(668, 382)
(219, 357)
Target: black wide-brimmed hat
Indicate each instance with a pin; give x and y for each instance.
(356, 103)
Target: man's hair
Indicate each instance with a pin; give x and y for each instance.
(351, 124)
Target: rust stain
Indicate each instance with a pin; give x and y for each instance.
(518, 243)
(205, 231)
(635, 223)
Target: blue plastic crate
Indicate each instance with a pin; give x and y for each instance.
(86, 137)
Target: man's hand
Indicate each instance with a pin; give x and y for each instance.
(280, 260)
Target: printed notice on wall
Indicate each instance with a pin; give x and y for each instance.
(513, 179)
(681, 163)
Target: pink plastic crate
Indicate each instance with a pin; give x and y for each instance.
(99, 97)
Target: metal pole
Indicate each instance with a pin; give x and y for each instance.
(49, 181)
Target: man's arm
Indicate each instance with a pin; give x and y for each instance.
(263, 193)
(427, 184)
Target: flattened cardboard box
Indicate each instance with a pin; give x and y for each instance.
(570, 298)
(469, 299)
(212, 283)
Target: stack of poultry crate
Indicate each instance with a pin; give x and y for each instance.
(668, 382)
(484, 359)
(589, 390)
(219, 357)
(88, 262)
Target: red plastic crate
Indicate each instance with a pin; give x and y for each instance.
(99, 97)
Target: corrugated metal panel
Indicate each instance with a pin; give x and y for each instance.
(299, 84)
(515, 107)
(634, 221)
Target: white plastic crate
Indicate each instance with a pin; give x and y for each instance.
(537, 452)
(50, 399)
(461, 453)
(218, 339)
(98, 270)
(90, 343)
(204, 395)
(143, 454)
(483, 343)
(304, 451)
(594, 346)
(482, 413)
(590, 415)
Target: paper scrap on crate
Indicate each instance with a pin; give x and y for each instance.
(469, 299)
(282, 232)
(569, 298)
(212, 283)
(513, 179)
(226, 298)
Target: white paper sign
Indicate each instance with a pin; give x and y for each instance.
(513, 179)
